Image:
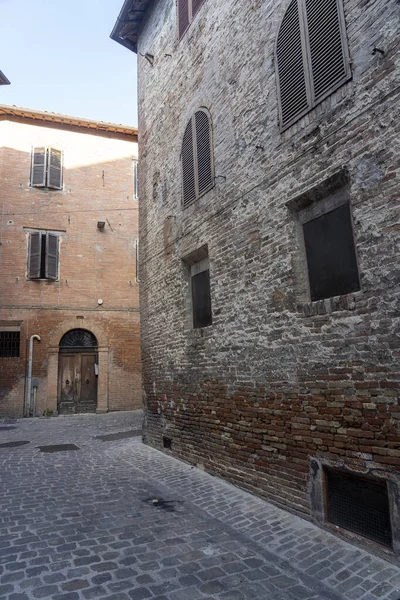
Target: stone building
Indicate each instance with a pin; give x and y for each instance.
(68, 245)
(269, 229)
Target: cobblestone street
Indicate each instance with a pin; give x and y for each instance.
(116, 519)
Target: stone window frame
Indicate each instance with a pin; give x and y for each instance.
(194, 263)
(318, 496)
(323, 198)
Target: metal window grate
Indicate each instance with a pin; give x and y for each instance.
(359, 505)
(9, 344)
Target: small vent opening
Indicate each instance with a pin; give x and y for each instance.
(167, 442)
(360, 505)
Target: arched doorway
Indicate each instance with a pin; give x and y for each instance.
(77, 372)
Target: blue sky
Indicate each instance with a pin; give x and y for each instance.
(59, 57)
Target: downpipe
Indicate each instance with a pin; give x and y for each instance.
(29, 379)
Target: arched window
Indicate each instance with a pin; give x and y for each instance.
(311, 56)
(78, 338)
(197, 157)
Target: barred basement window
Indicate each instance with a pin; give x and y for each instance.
(43, 255)
(47, 168)
(311, 56)
(359, 504)
(197, 158)
(9, 344)
(187, 10)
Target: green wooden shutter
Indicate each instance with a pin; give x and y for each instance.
(205, 174)
(292, 87)
(327, 46)
(183, 16)
(38, 168)
(196, 5)
(54, 172)
(51, 256)
(188, 171)
(34, 255)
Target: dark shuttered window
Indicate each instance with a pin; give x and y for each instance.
(47, 168)
(197, 158)
(331, 254)
(187, 10)
(311, 56)
(9, 344)
(201, 299)
(43, 255)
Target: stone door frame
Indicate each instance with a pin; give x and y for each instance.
(53, 351)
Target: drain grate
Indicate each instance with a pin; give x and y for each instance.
(359, 505)
(119, 436)
(13, 444)
(160, 503)
(58, 448)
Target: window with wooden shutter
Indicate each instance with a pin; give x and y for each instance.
(54, 171)
(43, 255)
(39, 166)
(311, 56)
(35, 255)
(47, 168)
(197, 158)
(51, 268)
(187, 10)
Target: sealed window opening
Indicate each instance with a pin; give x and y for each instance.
(43, 255)
(167, 442)
(9, 344)
(358, 504)
(201, 299)
(331, 254)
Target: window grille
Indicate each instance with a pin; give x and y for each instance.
(197, 158)
(47, 168)
(9, 344)
(311, 56)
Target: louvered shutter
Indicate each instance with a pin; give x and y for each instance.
(183, 16)
(187, 157)
(38, 170)
(290, 67)
(54, 176)
(34, 255)
(51, 256)
(204, 165)
(327, 46)
(196, 4)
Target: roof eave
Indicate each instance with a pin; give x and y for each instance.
(3, 79)
(127, 27)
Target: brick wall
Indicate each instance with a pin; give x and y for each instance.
(93, 264)
(276, 379)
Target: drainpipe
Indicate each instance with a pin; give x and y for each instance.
(29, 380)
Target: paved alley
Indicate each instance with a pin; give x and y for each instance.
(112, 518)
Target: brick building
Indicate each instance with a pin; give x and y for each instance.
(269, 228)
(68, 246)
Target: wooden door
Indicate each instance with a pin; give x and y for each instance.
(77, 383)
(88, 384)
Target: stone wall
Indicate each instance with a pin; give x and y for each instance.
(277, 379)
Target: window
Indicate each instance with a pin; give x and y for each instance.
(135, 179)
(43, 255)
(201, 294)
(9, 344)
(187, 10)
(196, 158)
(47, 168)
(311, 56)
